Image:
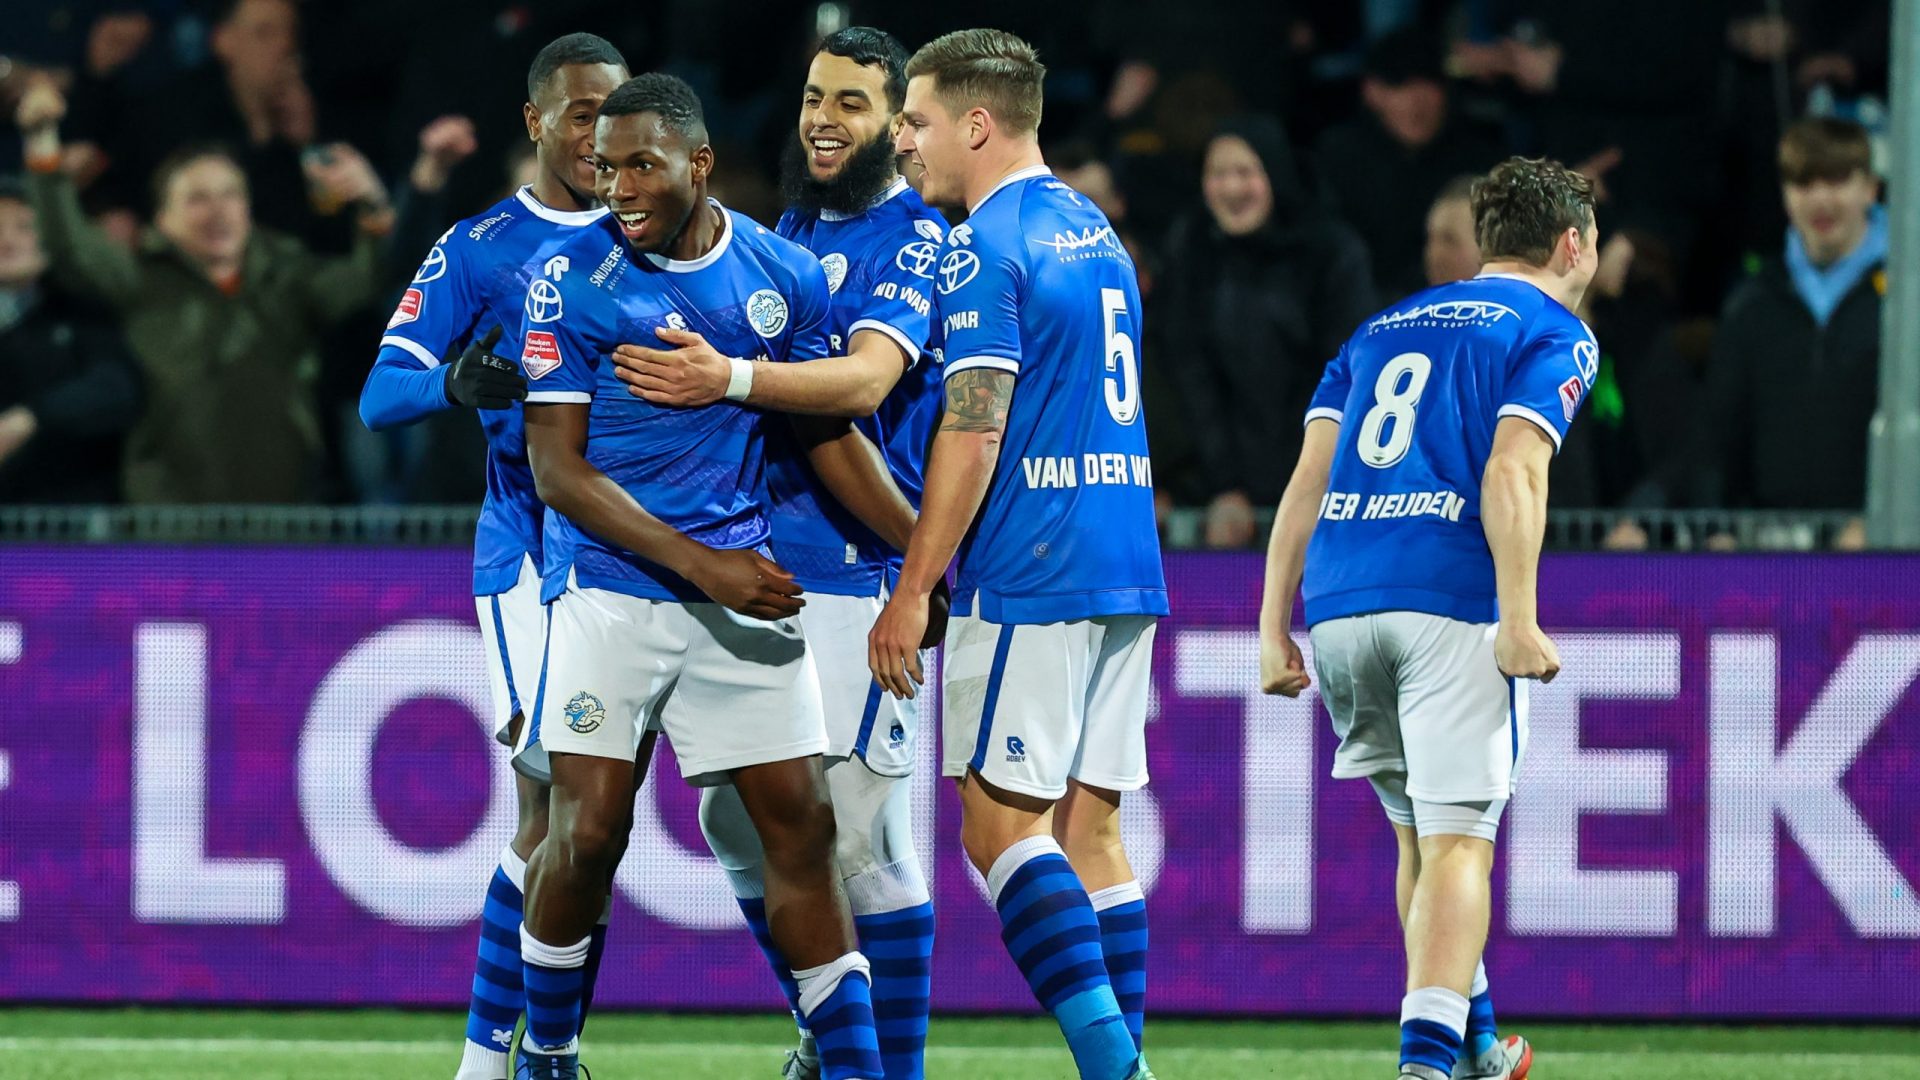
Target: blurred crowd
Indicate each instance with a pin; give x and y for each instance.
(207, 209)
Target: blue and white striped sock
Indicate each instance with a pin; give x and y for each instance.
(1123, 939)
(1432, 1022)
(1482, 1032)
(555, 977)
(1051, 932)
(754, 909)
(899, 945)
(837, 1001)
(493, 1010)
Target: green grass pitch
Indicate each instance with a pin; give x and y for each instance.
(48, 1044)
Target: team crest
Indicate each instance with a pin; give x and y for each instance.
(836, 267)
(585, 713)
(767, 312)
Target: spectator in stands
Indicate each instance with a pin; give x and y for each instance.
(1794, 375)
(1384, 168)
(223, 317)
(68, 387)
(1260, 290)
(253, 98)
(1624, 92)
(1451, 253)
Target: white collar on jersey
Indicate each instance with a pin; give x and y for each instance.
(688, 266)
(558, 217)
(1536, 288)
(1012, 178)
(899, 185)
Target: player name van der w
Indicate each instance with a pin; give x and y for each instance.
(1087, 470)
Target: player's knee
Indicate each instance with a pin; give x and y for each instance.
(588, 841)
(803, 832)
(985, 842)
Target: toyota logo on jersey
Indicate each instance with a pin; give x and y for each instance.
(543, 301)
(957, 269)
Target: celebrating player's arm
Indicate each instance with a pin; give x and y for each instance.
(1513, 511)
(556, 422)
(960, 467)
(1282, 669)
(694, 373)
(423, 367)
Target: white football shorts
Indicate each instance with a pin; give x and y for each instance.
(729, 691)
(863, 721)
(1030, 706)
(514, 625)
(1421, 694)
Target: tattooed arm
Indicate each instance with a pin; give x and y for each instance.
(959, 470)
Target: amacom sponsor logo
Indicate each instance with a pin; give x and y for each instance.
(1445, 313)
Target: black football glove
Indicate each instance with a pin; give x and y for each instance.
(480, 380)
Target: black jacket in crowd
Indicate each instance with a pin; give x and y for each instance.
(1245, 325)
(1790, 401)
(70, 366)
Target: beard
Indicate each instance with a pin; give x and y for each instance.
(867, 172)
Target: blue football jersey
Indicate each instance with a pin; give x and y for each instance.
(699, 470)
(473, 280)
(1418, 391)
(1036, 283)
(879, 266)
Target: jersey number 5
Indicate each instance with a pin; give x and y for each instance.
(1123, 366)
(1386, 433)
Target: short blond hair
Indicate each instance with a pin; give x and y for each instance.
(986, 69)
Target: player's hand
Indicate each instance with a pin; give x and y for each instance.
(1525, 652)
(690, 374)
(749, 583)
(893, 648)
(477, 379)
(1283, 670)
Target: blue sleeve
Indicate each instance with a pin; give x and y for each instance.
(554, 338)
(812, 302)
(1330, 397)
(898, 303)
(1550, 378)
(435, 313)
(979, 298)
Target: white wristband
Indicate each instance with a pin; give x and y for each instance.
(740, 383)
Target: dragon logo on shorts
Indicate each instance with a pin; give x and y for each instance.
(1016, 750)
(584, 713)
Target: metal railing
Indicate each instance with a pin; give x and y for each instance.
(452, 526)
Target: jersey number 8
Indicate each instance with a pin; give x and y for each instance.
(1382, 446)
(1123, 381)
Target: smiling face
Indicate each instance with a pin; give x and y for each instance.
(843, 109)
(560, 123)
(204, 210)
(1235, 186)
(650, 177)
(936, 142)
